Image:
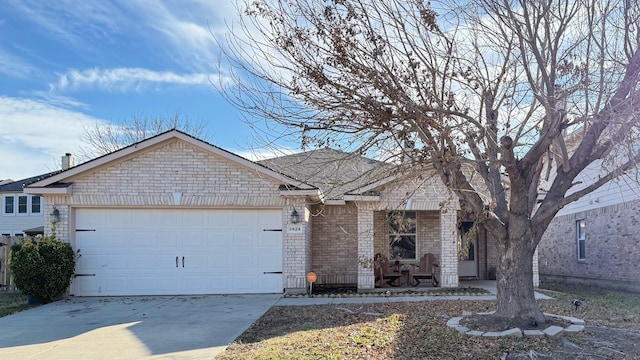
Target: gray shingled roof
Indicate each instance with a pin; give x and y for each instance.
(17, 186)
(333, 171)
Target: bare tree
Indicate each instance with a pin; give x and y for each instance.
(526, 93)
(101, 139)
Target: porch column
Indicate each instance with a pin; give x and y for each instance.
(448, 250)
(366, 279)
(536, 275)
(296, 247)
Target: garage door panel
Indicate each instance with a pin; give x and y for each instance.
(120, 218)
(194, 219)
(135, 262)
(218, 284)
(269, 281)
(134, 251)
(219, 262)
(195, 240)
(88, 262)
(118, 262)
(88, 285)
(140, 239)
(243, 241)
(245, 283)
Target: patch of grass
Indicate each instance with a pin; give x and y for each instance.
(11, 303)
(601, 307)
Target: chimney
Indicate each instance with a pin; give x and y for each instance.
(68, 161)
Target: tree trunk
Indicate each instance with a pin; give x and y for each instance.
(516, 303)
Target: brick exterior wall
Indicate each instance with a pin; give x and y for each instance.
(151, 178)
(366, 278)
(296, 247)
(335, 244)
(612, 239)
(448, 249)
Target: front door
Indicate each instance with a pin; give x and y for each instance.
(467, 250)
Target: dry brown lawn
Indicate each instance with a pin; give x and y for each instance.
(417, 330)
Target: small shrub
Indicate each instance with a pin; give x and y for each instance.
(42, 269)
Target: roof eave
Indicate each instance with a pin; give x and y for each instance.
(44, 190)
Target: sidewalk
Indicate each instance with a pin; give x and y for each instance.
(488, 285)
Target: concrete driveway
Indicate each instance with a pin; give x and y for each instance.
(153, 327)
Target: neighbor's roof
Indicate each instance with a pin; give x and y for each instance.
(17, 186)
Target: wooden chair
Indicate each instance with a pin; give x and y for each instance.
(383, 271)
(428, 268)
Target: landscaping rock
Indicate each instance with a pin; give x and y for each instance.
(553, 331)
(574, 328)
(462, 329)
(515, 332)
(455, 321)
(475, 333)
(491, 334)
(533, 333)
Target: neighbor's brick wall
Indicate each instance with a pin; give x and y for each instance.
(612, 246)
(335, 244)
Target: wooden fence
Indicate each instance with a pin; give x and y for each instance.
(6, 283)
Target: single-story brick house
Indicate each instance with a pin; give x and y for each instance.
(176, 215)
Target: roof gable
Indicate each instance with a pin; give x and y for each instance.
(59, 179)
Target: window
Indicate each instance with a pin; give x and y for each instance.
(8, 204)
(36, 206)
(580, 235)
(22, 205)
(402, 235)
(23, 208)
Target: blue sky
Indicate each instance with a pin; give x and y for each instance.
(68, 64)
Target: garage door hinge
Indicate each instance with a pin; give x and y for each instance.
(85, 229)
(272, 272)
(271, 229)
(77, 275)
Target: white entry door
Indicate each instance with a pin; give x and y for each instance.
(169, 251)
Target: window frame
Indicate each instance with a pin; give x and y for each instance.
(26, 205)
(4, 205)
(393, 235)
(581, 237)
(15, 204)
(39, 212)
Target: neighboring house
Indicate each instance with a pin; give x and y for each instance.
(596, 240)
(21, 213)
(175, 215)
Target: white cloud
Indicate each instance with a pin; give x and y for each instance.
(34, 134)
(126, 79)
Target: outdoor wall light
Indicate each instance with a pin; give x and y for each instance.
(55, 215)
(295, 218)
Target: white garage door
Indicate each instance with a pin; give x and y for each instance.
(167, 252)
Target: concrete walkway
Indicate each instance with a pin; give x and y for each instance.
(488, 285)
